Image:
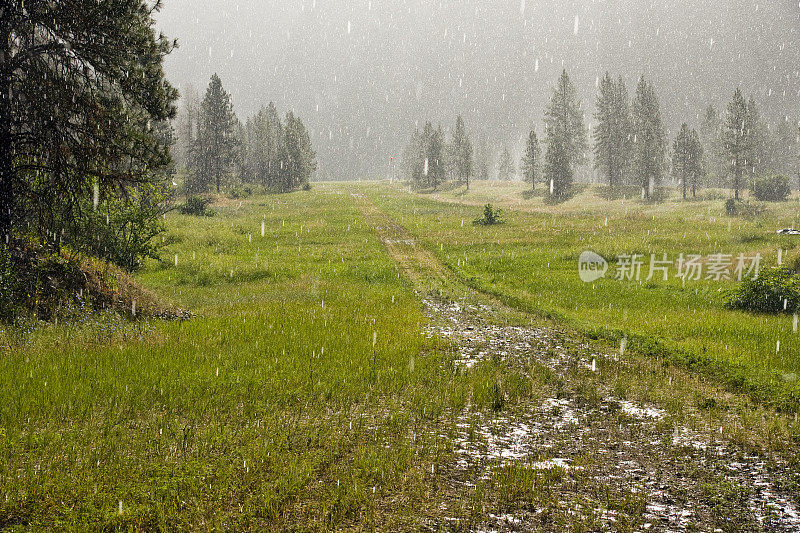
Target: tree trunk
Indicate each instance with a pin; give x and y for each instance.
(6, 160)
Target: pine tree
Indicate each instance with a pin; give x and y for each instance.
(783, 159)
(736, 140)
(213, 151)
(531, 160)
(687, 159)
(506, 170)
(276, 148)
(434, 156)
(625, 135)
(83, 101)
(650, 143)
(757, 140)
(412, 157)
(300, 157)
(186, 125)
(483, 158)
(565, 136)
(612, 134)
(461, 153)
(714, 160)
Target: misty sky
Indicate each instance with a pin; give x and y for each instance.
(361, 73)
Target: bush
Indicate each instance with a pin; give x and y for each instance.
(306, 186)
(241, 191)
(743, 209)
(196, 206)
(491, 216)
(768, 293)
(771, 188)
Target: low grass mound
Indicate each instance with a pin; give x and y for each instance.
(46, 284)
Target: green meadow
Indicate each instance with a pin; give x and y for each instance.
(305, 395)
(531, 262)
(301, 393)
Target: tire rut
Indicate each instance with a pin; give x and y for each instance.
(599, 459)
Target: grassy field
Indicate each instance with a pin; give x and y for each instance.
(532, 261)
(304, 394)
(299, 395)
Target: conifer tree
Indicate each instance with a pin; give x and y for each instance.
(300, 157)
(783, 159)
(434, 155)
(687, 159)
(612, 135)
(186, 125)
(714, 160)
(565, 136)
(757, 140)
(213, 151)
(736, 140)
(506, 170)
(83, 102)
(649, 139)
(531, 160)
(461, 153)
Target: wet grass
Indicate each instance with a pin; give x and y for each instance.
(531, 263)
(302, 393)
(304, 396)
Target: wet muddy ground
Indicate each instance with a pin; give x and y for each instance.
(612, 458)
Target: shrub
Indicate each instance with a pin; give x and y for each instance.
(774, 291)
(771, 188)
(241, 191)
(306, 186)
(196, 206)
(491, 216)
(730, 207)
(743, 209)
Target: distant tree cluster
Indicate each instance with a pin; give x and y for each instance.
(430, 160)
(264, 150)
(734, 149)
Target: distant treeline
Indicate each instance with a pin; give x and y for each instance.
(733, 149)
(214, 147)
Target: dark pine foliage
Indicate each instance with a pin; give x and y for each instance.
(83, 110)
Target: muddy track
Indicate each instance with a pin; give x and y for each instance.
(600, 459)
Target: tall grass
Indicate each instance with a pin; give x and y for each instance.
(289, 399)
(532, 262)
